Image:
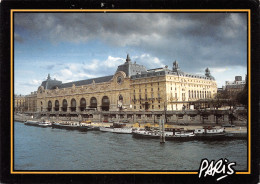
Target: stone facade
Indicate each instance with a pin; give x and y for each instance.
(234, 87)
(19, 103)
(31, 102)
(131, 89)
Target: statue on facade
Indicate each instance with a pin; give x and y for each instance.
(175, 66)
(207, 72)
(128, 60)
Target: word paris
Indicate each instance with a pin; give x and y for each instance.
(220, 167)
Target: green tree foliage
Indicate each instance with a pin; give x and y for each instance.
(242, 97)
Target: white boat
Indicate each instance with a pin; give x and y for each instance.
(169, 135)
(31, 123)
(184, 134)
(45, 123)
(71, 126)
(117, 128)
(210, 132)
(142, 133)
(106, 129)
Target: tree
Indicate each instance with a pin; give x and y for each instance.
(242, 97)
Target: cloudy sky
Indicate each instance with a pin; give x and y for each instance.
(77, 46)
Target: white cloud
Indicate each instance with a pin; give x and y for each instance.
(218, 70)
(149, 61)
(228, 74)
(84, 75)
(80, 71)
(26, 87)
(36, 82)
(93, 65)
(66, 72)
(113, 62)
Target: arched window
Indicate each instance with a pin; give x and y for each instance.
(49, 106)
(120, 101)
(73, 105)
(120, 98)
(93, 102)
(105, 103)
(64, 105)
(57, 105)
(83, 104)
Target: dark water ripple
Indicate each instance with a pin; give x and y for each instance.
(38, 148)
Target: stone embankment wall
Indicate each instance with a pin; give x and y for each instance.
(172, 118)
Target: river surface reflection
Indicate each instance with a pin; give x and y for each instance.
(37, 148)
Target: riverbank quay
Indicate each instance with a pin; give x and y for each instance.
(192, 117)
(236, 129)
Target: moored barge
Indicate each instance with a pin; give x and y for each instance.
(117, 128)
(169, 135)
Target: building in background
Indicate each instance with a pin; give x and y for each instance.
(234, 87)
(31, 102)
(19, 103)
(25, 103)
(132, 88)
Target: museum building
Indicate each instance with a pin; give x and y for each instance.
(132, 88)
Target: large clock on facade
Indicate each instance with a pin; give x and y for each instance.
(119, 79)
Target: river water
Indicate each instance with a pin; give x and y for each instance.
(37, 148)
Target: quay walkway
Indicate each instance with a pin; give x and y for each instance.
(237, 129)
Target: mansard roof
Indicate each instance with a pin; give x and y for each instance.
(49, 83)
(85, 82)
(166, 71)
(130, 68)
(175, 71)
